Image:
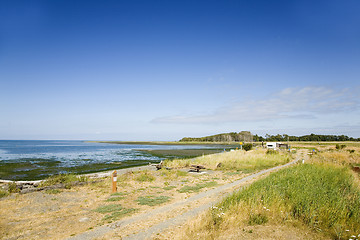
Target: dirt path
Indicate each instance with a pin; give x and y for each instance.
(150, 223)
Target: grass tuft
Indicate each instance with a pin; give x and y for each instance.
(114, 199)
(197, 187)
(169, 187)
(3, 193)
(118, 214)
(109, 208)
(152, 200)
(53, 191)
(257, 219)
(145, 176)
(67, 179)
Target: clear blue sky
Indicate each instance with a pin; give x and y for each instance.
(163, 70)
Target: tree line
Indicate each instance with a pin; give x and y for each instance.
(244, 136)
(306, 138)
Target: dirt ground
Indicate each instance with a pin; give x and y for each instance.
(144, 202)
(65, 213)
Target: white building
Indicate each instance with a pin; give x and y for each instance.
(271, 145)
(276, 145)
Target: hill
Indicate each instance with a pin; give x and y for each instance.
(243, 136)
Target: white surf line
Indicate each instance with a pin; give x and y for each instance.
(102, 230)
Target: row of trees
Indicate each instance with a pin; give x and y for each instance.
(244, 136)
(308, 138)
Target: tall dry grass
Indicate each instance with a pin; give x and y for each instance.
(235, 161)
(321, 194)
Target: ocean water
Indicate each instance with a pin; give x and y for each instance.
(30, 160)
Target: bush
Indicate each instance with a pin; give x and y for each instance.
(247, 146)
(13, 188)
(339, 147)
(271, 151)
(152, 200)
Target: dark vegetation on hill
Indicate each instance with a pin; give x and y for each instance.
(305, 138)
(246, 136)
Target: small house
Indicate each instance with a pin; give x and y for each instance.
(276, 145)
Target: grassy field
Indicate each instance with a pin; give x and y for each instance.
(322, 195)
(182, 153)
(234, 161)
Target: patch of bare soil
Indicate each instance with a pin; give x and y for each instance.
(65, 213)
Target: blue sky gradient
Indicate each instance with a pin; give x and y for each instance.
(163, 70)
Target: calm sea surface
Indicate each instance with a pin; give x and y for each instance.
(28, 160)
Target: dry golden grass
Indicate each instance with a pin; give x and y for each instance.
(254, 219)
(235, 160)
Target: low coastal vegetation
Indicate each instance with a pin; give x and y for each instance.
(234, 161)
(66, 179)
(322, 194)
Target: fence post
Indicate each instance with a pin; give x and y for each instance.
(114, 180)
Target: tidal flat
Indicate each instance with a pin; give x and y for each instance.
(37, 160)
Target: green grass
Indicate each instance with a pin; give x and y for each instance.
(66, 179)
(53, 191)
(322, 196)
(115, 199)
(169, 187)
(12, 188)
(152, 200)
(145, 176)
(118, 214)
(3, 193)
(118, 194)
(109, 208)
(197, 187)
(38, 169)
(182, 153)
(257, 219)
(232, 173)
(114, 211)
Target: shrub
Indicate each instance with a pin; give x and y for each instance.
(13, 188)
(339, 147)
(257, 219)
(271, 151)
(247, 146)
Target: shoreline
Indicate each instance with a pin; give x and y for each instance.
(94, 175)
(165, 143)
